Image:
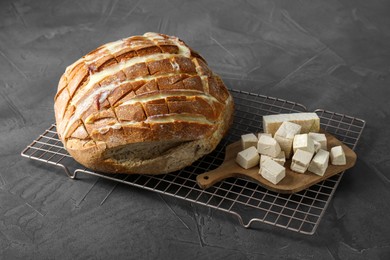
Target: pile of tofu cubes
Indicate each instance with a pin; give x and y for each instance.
(288, 136)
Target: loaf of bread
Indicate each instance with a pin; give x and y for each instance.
(145, 104)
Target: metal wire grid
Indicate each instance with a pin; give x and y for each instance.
(48, 148)
(248, 201)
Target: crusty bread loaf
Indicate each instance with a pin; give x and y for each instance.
(145, 104)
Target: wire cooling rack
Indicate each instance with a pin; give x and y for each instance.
(248, 201)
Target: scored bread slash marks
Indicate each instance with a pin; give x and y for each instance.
(298, 212)
(115, 69)
(102, 106)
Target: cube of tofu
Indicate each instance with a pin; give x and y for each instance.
(303, 142)
(268, 146)
(260, 134)
(321, 138)
(337, 156)
(281, 158)
(320, 162)
(285, 136)
(310, 122)
(272, 171)
(317, 146)
(248, 140)
(248, 158)
(288, 130)
(301, 160)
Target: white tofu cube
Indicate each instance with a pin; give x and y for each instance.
(268, 146)
(288, 130)
(337, 156)
(317, 146)
(320, 162)
(263, 158)
(281, 158)
(321, 138)
(285, 136)
(248, 140)
(248, 158)
(301, 160)
(303, 142)
(260, 134)
(310, 122)
(272, 171)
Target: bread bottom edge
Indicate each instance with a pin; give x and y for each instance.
(172, 159)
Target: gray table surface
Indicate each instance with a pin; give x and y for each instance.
(324, 54)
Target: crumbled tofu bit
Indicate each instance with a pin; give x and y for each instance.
(248, 158)
(248, 140)
(337, 155)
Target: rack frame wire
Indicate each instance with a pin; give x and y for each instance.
(248, 201)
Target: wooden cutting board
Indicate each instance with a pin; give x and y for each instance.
(292, 183)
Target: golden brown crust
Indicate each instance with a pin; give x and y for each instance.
(149, 89)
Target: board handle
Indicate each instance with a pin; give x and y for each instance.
(208, 179)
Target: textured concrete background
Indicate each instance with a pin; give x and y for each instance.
(324, 54)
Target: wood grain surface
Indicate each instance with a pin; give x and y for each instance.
(292, 183)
